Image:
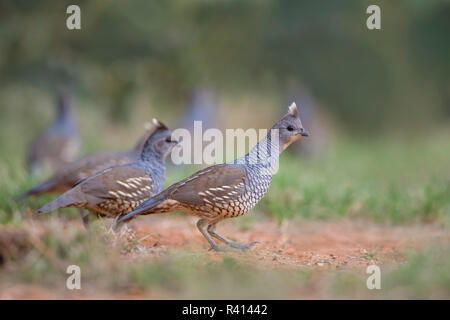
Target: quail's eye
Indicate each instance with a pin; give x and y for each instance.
(290, 128)
(168, 140)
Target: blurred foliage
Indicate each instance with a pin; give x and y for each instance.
(397, 77)
(388, 182)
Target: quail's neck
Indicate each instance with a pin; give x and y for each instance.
(136, 151)
(64, 123)
(264, 156)
(155, 167)
(64, 112)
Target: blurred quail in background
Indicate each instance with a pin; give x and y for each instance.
(201, 107)
(58, 144)
(228, 190)
(319, 122)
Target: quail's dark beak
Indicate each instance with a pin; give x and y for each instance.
(304, 133)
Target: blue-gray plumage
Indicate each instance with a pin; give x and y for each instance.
(201, 107)
(58, 144)
(118, 190)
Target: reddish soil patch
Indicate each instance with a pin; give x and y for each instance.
(294, 244)
(315, 245)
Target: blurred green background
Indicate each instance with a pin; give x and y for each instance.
(132, 54)
(378, 101)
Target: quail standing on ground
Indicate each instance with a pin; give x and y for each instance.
(228, 190)
(118, 190)
(58, 144)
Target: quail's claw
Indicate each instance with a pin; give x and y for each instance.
(243, 247)
(254, 243)
(226, 249)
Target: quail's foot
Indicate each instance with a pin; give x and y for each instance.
(122, 231)
(241, 246)
(225, 249)
(234, 244)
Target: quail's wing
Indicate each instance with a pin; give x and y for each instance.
(119, 182)
(89, 166)
(223, 180)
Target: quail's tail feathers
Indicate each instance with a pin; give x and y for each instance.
(145, 206)
(67, 199)
(35, 191)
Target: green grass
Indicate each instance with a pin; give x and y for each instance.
(392, 183)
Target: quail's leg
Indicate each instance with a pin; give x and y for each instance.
(119, 226)
(85, 217)
(202, 225)
(229, 242)
(122, 229)
(115, 224)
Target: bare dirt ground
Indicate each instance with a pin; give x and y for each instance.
(295, 244)
(310, 245)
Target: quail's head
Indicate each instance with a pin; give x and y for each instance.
(161, 141)
(290, 127)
